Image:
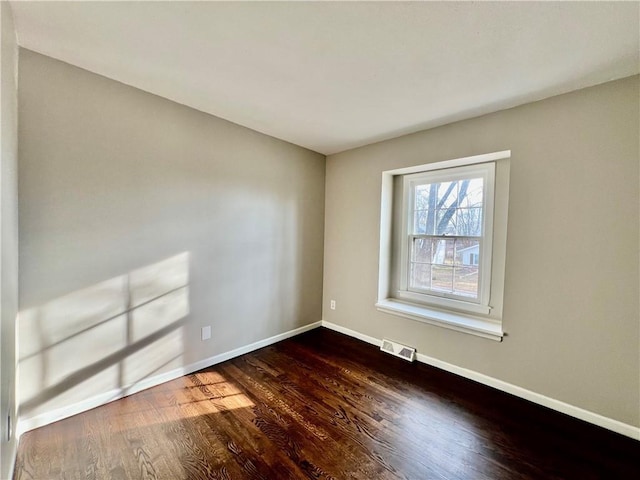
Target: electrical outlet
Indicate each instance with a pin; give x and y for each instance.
(333, 305)
(206, 332)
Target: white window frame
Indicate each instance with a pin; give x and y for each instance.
(455, 314)
(480, 305)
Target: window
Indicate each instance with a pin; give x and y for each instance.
(447, 225)
(443, 243)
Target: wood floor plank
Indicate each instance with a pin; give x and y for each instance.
(323, 406)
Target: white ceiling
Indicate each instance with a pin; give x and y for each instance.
(336, 75)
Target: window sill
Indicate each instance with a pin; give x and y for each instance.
(481, 327)
(445, 304)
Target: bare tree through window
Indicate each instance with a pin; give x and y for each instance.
(446, 231)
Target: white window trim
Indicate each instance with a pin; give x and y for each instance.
(481, 304)
(448, 316)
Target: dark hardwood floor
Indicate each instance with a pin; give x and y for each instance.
(324, 406)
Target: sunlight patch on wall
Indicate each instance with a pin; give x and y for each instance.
(105, 337)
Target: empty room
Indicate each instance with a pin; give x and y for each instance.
(319, 240)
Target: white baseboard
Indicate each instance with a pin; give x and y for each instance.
(352, 333)
(26, 424)
(560, 406)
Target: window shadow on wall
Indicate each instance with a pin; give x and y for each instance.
(105, 339)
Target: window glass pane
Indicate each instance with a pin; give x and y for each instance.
(423, 222)
(446, 221)
(467, 252)
(420, 276)
(423, 198)
(465, 281)
(471, 193)
(421, 250)
(442, 278)
(469, 222)
(442, 251)
(447, 193)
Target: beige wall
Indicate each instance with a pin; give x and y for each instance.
(571, 293)
(141, 221)
(8, 235)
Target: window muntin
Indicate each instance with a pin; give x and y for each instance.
(447, 225)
